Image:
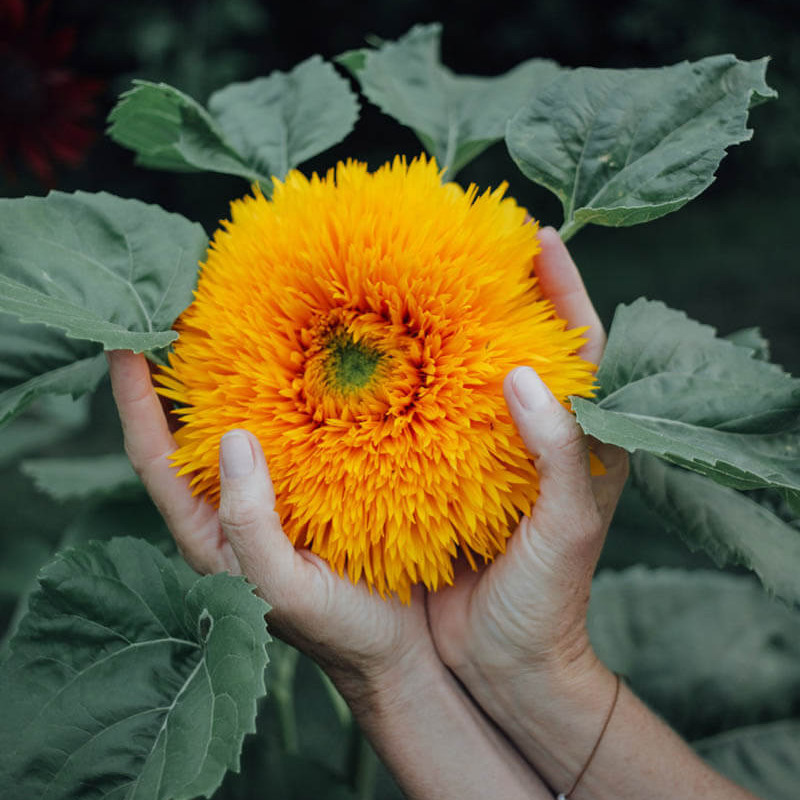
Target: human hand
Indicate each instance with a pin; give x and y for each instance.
(527, 610)
(344, 627)
(515, 632)
(378, 652)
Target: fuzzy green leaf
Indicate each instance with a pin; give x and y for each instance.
(36, 360)
(753, 339)
(169, 130)
(284, 119)
(679, 636)
(620, 147)
(256, 130)
(761, 758)
(670, 387)
(98, 267)
(730, 527)
(83, 477)
(124, 682)
(456, 117)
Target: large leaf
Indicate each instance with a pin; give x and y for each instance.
(638, 535)
(456, 117)
(753, 339)
(36, 360)
(708, 651)
(730, 527)
(125, 683)
(99, 267)
(284, 119)
(762, 758)
(169, 130)
(619, 147)
(257, 130)
(670, 387)
(101, 519)
(83, 477)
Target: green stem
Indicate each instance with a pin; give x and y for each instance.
(283, 693)
(361, 759)
(569, 229)
(340, 707)
(363, 765)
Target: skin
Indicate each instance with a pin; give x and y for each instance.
(530, 605)
(514, 633)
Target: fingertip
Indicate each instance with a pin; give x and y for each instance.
(126, 368)
(549, 432)
(550, 235)
(236, 458)
(554, 259)
(527, 389)
(552, 248)
(249, 519)
(122, 356)
(241, 458)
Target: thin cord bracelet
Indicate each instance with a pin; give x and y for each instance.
(567, 795)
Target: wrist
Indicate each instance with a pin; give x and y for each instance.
(537, 693)
(430, 734)
(517, 670)
(387, 685)
(551, 707)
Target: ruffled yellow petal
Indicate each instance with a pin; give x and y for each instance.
(361, 325)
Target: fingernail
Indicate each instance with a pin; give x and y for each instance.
(236, 455)
(528, 388)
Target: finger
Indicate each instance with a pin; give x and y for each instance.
(561, 281)
(173, 423)
(565, 514)
(149, 443)
(249, 520)
(147, 436)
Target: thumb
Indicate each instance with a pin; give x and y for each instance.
(247, 515)
(565, 516)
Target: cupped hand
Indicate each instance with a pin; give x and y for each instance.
(527, 610)
(351, 632)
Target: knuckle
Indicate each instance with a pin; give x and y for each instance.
(142, 461)
(588, 536)
(591, 517)
(566, 437)
(239, 516)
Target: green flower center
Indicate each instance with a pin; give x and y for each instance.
(350, 365)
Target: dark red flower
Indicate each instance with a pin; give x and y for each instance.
(45, 107)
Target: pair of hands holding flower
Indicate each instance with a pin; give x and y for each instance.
(525, 611)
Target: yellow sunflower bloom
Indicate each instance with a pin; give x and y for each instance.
(361, 325)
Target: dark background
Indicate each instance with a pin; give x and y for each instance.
(728, 259)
